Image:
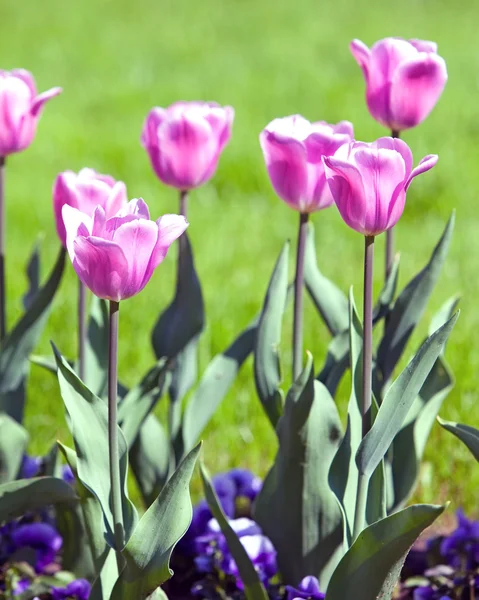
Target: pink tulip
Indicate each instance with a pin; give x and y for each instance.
(85, 191)
(404, 80)
(20, 109)
(293, 149)
(369, 182)
(115, 257)
(185, 140)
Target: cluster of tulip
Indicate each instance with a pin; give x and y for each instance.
(332, 503)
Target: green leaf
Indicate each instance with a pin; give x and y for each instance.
(103, 585)
(343, 475)
(33, 276)
(18, 497)
(267, 368)
(337, 362)
(150, 459)
(254, 589)
(89, 425)
(96, 347)
(296, 508)
(410, 442)
(386, 297)
(149, 549)
(184, 318)
(214, 385)
(20, 342)
(329, 300)
(141, 400)
(398, 400)
(371, 567)
(468, 435)
(409, 307)
(13, 444)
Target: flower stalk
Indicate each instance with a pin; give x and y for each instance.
(3, 311)
(298, 297)
(390, 234)
(81, 329)
(113, 426)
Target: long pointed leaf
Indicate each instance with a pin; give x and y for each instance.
(468, 435)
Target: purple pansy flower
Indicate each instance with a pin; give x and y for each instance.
(308, 587)
(78, 589)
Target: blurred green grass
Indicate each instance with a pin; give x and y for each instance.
(117, 59)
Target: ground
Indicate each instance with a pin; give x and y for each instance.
(117, 59)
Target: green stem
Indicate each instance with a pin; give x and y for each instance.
(298, 297)
(81, 329)
(390, 235)
(113, 426)
(3, 300)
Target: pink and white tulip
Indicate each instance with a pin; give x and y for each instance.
(293, 149)
(20, 109)
(115, 257)
(404, 80)
(85, 191)
(369, 182)
(185, 140)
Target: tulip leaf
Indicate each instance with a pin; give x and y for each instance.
(468, 435)
(20, 342)
(96, 347)
(13, 444)
(141, 400)
(410, 442)
(150, 459)
(147, 553)
(370, 568)
(214, 385)
(409, 308)
(267, 368)
(329, 300)
(24, 495)
(184, 318)
(89, 425)
(103, 585)
(337, 362)
(386, 297)
(398, 401)
(254, 589)
(33, 276)
(296, 508)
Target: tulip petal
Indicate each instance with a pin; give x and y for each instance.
(416, 87)
(117, 199)
(102, 266)
(26, 77)
(149, 137)
(399, 146)
(72, 220)
(425, 164)
(362, 54)
(424, 45)
(40, 100)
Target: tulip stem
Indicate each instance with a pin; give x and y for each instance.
(367, 331)
(298, 297)
(183, 202)
(3, 308)
(113, 426)
(390, 234)
(81, 329)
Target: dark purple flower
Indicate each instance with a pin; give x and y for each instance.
(31, 466)
(78, 589)
(67, 475)
(21, 586)
(42, 538)
(308, 587)
(462, 545)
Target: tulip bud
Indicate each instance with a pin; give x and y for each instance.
(369, 182)
(404, 80)
(20, 109)
(185, 140)
(85, 191)
(115, 257)
(293, 149)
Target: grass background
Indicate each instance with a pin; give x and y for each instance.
(267, 58)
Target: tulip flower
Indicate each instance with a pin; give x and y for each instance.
(115, 257)
(20, 109)
(404, 80)
(185, 140)
(368, 183)
(85, 191)
(293, 150)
